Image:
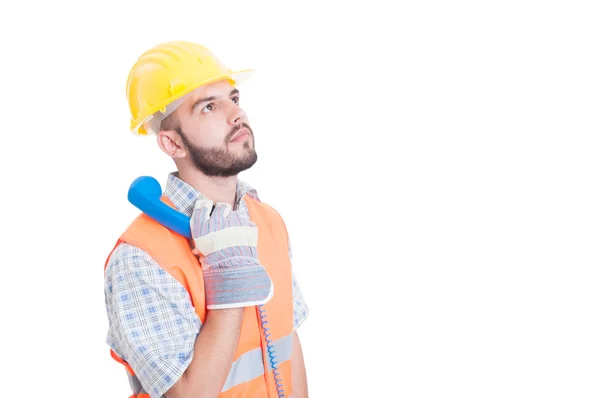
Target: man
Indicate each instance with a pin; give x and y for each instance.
(215, 315)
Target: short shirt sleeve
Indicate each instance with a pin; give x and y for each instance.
(300, 307)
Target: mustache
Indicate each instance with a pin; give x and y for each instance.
(238, 128)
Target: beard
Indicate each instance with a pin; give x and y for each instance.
(220, 162)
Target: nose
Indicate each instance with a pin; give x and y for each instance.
(236, 115)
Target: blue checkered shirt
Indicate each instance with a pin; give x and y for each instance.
(152, 323)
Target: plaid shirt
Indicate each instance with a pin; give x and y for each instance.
(152, 323)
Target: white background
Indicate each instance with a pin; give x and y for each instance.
(437, 164)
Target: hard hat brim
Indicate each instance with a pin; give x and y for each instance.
(242, 75)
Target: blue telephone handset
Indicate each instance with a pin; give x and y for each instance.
(144, 193)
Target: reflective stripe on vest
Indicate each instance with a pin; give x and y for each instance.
(250, 364)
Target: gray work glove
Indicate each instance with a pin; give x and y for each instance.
(226, 241)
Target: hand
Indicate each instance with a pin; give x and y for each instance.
(226, 241)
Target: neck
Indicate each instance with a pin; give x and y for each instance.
(217, 189)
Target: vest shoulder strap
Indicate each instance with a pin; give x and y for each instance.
(164, 246)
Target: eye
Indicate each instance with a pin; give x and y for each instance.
(236, 100)
(208, 108)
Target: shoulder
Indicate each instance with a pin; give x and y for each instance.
(251, 199)
(128, 255)
(271, 209)
(130, 263)
(250, 194)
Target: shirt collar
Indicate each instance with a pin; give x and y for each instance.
(184, 196)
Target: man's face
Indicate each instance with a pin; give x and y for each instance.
(215, 131)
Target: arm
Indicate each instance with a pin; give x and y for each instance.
(154, 327)
(299, 383)
(213, 354)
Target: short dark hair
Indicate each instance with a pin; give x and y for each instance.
(171, 122)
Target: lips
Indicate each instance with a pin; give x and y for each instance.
(241, 134)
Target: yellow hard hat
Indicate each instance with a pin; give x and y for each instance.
(165, 74)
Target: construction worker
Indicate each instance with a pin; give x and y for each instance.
(215, 315)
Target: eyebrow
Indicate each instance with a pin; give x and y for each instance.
(211, 98)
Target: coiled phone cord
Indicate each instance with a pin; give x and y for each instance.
(271, 351)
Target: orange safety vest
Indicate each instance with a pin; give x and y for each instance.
(251, 374)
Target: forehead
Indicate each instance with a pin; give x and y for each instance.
(221, 88)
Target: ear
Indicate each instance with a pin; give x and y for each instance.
(171, 144)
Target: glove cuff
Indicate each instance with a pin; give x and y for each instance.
(237, 287)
